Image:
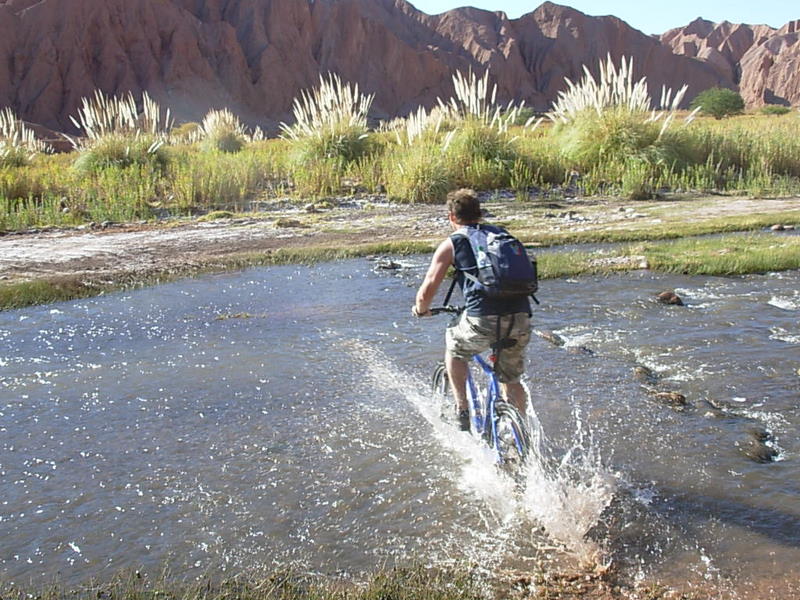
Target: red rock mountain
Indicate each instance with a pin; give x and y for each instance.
(254, 56)
(762, 62)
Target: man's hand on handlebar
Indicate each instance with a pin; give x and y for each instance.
(418, 314)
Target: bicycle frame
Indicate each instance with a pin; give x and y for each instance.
(483, 405)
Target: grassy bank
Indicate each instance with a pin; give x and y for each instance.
(405, 583)
(145, 168)
(722, 255)
(52, 191)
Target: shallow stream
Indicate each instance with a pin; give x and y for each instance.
(282, 416)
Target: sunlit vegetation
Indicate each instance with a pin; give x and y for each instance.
(604, 136)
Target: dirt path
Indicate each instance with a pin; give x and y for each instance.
(95, 253)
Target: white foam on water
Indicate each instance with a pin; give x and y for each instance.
(786, 302)
(782, 335)
(565, 496)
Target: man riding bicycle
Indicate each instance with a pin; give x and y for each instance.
(485, 322)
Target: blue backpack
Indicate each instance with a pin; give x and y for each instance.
(504, 270)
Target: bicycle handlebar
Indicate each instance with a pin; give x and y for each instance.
(446, 309)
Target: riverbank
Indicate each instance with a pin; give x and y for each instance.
(404, 583)
(51, 265)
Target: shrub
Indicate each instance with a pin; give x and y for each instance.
(118, 135)
(719, 102)
(18, 144)
(602, 124)
(775, 109)
(330, 122)
(417, 174)
(120, 150)
(221, 130)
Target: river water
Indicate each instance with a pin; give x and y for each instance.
(282, 416)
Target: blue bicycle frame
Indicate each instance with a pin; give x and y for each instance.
(483, 409)
(484, 413)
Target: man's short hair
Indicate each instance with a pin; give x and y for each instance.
(463, 204)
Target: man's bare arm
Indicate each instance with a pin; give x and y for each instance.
(440, 263)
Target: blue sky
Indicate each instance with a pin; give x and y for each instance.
(650, 17)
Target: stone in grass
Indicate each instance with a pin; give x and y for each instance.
(285, 223)
(670, 297)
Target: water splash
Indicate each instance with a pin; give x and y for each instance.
(563, 496)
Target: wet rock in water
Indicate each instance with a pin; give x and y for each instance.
(712, 412)
(720, 405)
(674, 400)
(778, 227)
(550, 336)
(754, 446)
(388, 264)
(670, 297)
(759, 433)
(644, 374)
(580, 350)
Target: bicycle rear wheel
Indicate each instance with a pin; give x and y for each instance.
(512, 442)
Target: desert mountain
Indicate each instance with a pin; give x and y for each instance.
(254, 56)
(760, 61)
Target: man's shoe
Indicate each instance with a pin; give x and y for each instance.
(463, 420)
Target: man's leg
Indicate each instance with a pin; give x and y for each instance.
(511, 363)
(457, 373)
(515, 394)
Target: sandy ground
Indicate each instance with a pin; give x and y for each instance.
(97, 252)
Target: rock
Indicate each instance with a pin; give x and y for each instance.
(644, 374)
(310, 208)
(777, 227)
(255, 56)
(580, 350)
(550, 336)
(758, 60)
(672, 399)
(756, 449)
(670, 297)
(285, 222)
(388, 265)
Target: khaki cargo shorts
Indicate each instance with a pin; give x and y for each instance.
(472, 335)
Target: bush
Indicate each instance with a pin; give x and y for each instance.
(775, 109)
(614, 135)
(221, 130)
(120, 150)
(330, 122)
(417, 174)
(18, 144)
(719, 102)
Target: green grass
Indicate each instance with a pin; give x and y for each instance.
(654, 232)
(755, 155)
(726, 255)
(412, 583)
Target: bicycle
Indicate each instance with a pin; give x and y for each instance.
(492, 419)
